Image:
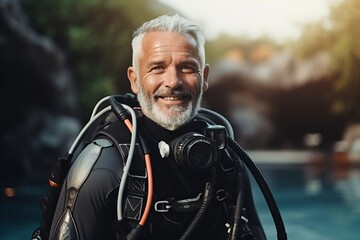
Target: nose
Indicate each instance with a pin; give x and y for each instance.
(173, 78)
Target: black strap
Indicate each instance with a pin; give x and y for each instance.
(184, 205)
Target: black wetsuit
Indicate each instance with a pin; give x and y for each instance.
(94, 210)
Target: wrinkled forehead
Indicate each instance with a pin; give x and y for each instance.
(157, 42)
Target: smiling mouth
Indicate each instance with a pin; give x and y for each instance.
(174, 100)
(174, 96)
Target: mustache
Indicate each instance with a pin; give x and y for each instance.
(180, 93)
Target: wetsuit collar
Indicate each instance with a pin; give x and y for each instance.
(162, 134)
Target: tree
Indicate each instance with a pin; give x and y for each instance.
(345, 49)
(338, 35)
(96, 36)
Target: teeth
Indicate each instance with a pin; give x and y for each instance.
(171, 98)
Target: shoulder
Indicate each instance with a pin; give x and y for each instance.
(98, 152)
(114, 130)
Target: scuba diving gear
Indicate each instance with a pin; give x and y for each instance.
(62, 165)
(208, 195)
(195, 150)
(212, 142)
(75, 179)
(183, 205)
(274, 210)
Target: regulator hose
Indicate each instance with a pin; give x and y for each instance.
(235, 231)
(260, 180)
(208, 195)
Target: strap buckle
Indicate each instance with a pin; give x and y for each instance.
(162, 206)
(221, 195)
(184, 205)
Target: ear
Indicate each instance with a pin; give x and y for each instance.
(206, 75)
(132, 78)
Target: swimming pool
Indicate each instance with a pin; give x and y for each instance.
(316, 202)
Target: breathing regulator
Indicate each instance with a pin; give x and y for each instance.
(197, 151)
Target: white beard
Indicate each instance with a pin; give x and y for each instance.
(179, 115)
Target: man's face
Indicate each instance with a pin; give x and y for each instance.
(170, 78)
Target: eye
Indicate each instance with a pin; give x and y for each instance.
(157, 69)
(187, 69)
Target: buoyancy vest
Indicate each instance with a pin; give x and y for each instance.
(231, 178)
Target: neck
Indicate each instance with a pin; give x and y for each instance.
(162, 134)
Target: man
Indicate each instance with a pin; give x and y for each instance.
(168, 76)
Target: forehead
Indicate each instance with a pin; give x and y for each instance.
(157, 43)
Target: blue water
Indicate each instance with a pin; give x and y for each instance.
(315, 202)
(20, 215)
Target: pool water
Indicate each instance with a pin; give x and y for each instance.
(316, 202)
(20, 215)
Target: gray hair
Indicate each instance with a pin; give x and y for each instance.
(165, 23)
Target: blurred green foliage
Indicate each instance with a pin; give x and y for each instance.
(96, 37)
(339, 35)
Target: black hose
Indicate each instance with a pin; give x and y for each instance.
(274, 210)
(219, 118)
(208, 195)
(235, 231)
